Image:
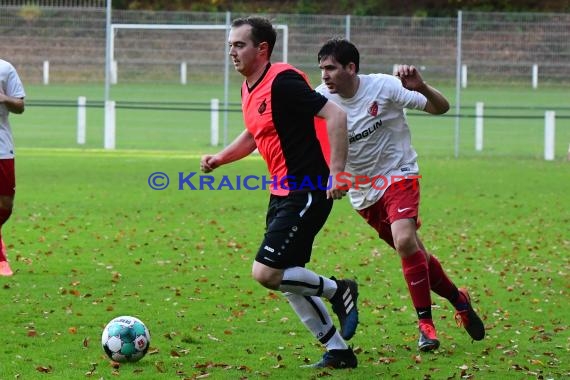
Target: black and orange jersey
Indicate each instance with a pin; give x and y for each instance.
(279, 111)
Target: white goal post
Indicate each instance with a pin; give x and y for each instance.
(116, 27)
(111, 65)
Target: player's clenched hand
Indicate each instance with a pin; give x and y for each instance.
(336, 191)
(410, 77)
(209, 163)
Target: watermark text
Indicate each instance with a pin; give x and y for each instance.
(344, 181)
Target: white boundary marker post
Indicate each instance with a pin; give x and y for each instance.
(479, 126)
(46, 72)
(109, 124)
(214, 122)
(81, 119)
(463, 76)
(183, 72)
(549, 132)
(534, 76)
(114, 72)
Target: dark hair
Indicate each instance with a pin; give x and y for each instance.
(343, 51)
(261, 30)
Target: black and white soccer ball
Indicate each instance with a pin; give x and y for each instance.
(125, 339)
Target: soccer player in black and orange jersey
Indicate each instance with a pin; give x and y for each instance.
(280, 111)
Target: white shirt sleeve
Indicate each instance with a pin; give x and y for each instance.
(14, 86)
(404, 97)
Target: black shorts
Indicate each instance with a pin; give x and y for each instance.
(292, 222)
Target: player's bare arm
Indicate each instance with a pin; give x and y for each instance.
(411, 79)
(241, 147)
(14, 105)
(337, 133)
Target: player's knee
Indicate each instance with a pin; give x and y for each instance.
(266, 278)
(267, 281)
(5, 212)
(406, 245)
(6, 202)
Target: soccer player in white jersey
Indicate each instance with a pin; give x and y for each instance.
(383, 173)
(11, 100)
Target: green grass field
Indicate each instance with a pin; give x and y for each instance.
(89, 240)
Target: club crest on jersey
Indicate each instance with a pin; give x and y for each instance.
(373, 109)
(262, 107)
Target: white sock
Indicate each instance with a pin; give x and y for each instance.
(299, 280)
(314, 315)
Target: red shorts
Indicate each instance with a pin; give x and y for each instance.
(401, 200)
(7, 177)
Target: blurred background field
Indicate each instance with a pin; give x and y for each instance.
(515, 62)
(177, 117)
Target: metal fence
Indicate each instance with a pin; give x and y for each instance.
(502, 47)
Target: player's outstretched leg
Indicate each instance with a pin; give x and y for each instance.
(312, 311)
(459, 298)
(345, 307)
(467, 317)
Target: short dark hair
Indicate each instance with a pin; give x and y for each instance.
(342, 50)
(261, 30)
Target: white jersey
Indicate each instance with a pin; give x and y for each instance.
(10, 85)
(379, 136)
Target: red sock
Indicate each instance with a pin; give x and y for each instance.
(416, 273)
(440, 283)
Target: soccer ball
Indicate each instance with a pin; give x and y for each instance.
(125, 339)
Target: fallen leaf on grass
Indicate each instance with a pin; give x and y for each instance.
(212, 365)
(386, 360)
(159, 367)
(213, 338)
(44, 369)
(153, 351)
(92, 370)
